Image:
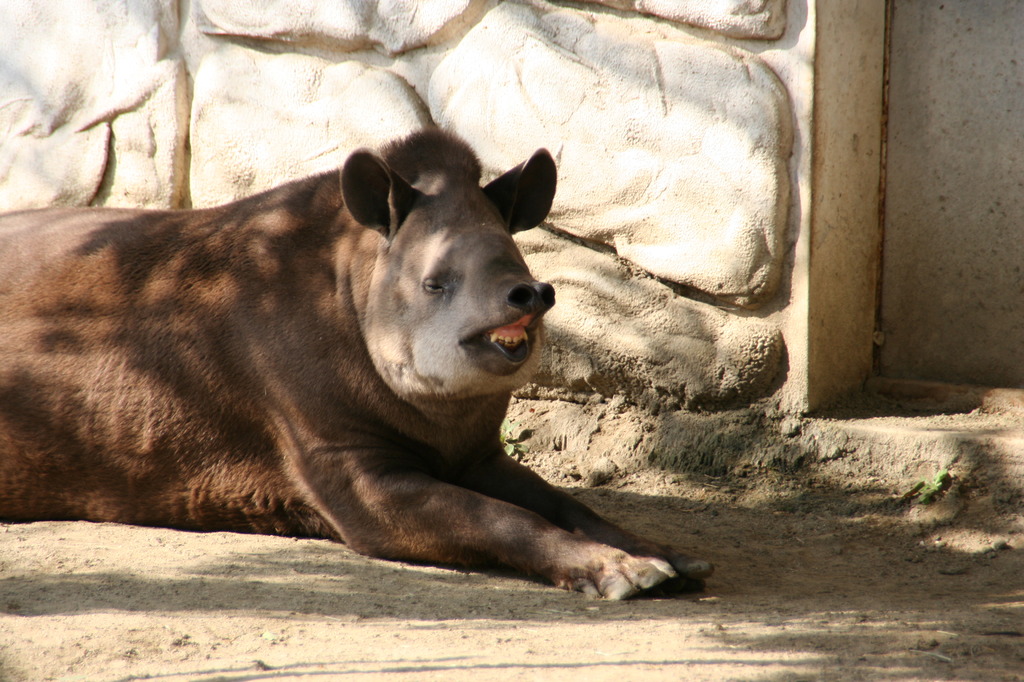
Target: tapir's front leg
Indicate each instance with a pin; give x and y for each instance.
(383, 507)
(501, 477)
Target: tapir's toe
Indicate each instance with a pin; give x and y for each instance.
(690, 578)
(694, 568)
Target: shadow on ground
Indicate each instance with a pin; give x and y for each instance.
(842, 581)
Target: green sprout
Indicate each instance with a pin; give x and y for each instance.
(512, 437)
(926, 491)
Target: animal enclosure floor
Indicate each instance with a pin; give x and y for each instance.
(814, 582)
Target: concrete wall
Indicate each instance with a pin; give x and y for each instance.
(953, 296)
(714, 235)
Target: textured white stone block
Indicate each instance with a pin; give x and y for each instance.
(146, 166)
(392, 25)
(92, 104)
(672, 150)
(613, 332)
(259, 119)
(760, 19)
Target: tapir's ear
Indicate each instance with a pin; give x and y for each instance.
(524, 194)
(375, 195)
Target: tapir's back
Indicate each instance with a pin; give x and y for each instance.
(120, 399)
(59, 315)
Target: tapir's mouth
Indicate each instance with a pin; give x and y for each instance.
(511, 340)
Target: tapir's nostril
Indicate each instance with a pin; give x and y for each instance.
(546, 293)
(521, 296)
(532, 296)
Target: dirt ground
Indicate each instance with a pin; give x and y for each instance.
(817, 579)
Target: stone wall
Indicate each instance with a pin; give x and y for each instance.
(680, 128)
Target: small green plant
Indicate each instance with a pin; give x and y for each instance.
(926, 492)
(512, 437)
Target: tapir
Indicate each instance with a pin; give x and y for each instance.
(331, 358)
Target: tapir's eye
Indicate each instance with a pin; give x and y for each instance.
(433, 286)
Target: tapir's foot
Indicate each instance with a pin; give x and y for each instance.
(621, 576)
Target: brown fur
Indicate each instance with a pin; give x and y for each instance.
(210, 369)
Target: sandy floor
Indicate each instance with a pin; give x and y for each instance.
(813, 583)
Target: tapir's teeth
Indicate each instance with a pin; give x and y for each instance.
(508, 341)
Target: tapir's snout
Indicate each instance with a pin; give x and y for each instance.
(512, 339)
(534, 297)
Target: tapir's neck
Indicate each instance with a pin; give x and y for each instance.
(462, 430)
(457, 410)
